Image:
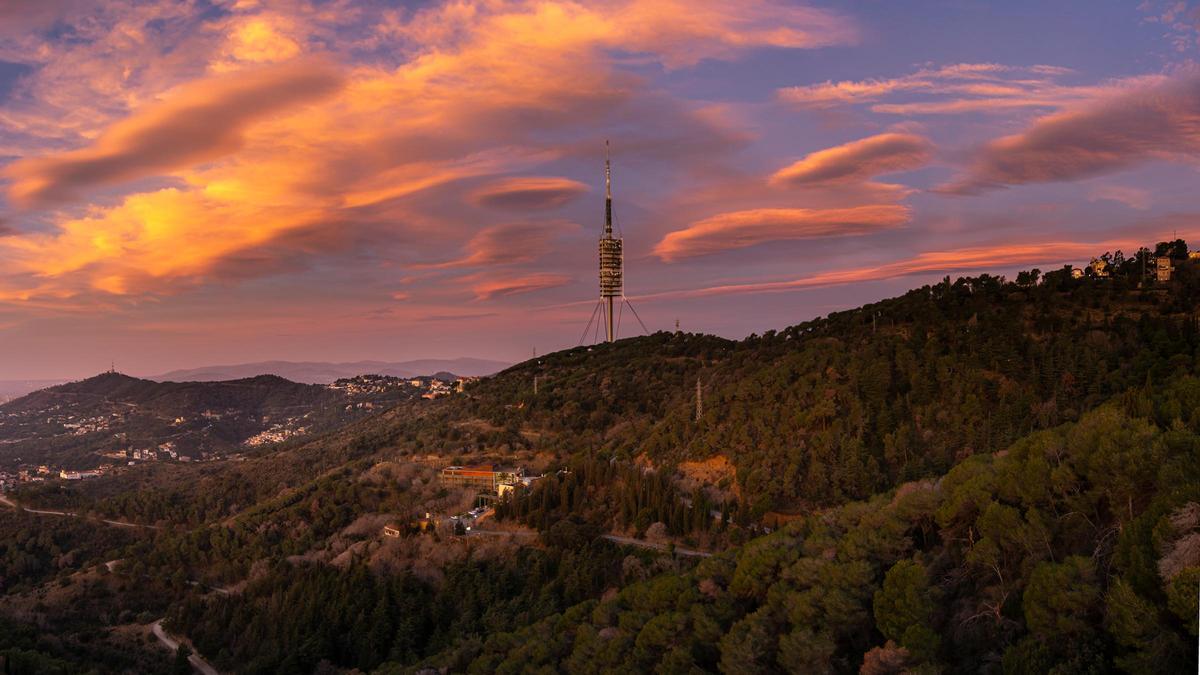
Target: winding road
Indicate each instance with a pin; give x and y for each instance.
(198, 663)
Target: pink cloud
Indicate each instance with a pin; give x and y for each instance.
(528, 193)
(494, 288)
(1159, 119)
(857, 160)
(741, 229)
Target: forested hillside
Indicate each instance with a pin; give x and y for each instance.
(1072, 551)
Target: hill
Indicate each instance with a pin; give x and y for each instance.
(841, 407)
(113, 417)
(315, 372)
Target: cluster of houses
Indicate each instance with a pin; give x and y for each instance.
(435, 387)
(488, 480)
(39, 474)
(278, 432)
(1161, 266)
(132, 455)
(69, 422)
(373, 385)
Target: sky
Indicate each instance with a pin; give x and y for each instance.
(195, 182)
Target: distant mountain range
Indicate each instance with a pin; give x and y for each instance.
(10, 389)
(317, 372)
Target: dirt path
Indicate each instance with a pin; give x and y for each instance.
(198, 663)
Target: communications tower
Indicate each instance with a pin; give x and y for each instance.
(612, 269)
(612, 260)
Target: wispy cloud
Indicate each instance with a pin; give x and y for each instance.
(508, 244)
(505, 286)
(950, 89)
(1158, 119)
(741, 229)
(1134, 198)
(528, 193)
(857, 160)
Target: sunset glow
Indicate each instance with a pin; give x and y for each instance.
(184, 183)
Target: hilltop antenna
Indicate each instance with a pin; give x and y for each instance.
(699, 400)
(612, 268)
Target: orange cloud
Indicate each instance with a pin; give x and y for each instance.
(151, 237)
(1159, 119)
(740, 229)
(201, 122)
(265, 38)
(857, 160)
(528, 192)
(487, 290)
(268, 162)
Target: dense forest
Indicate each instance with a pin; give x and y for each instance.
(977, 476)
(297, 616)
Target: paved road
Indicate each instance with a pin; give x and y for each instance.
(69, 514)
(630, 541)
(198, 663)
(500, 533)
